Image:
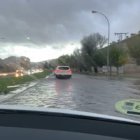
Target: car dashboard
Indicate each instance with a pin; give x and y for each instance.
(37, 124)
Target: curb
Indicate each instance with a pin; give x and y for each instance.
(14, 94)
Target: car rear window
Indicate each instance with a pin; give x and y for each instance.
(63, 68)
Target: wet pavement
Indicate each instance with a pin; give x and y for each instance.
(81, 92)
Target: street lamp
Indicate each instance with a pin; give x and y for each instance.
(108, 56)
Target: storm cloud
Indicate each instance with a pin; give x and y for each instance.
(60, 21)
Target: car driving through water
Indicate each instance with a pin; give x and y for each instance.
(63, 72)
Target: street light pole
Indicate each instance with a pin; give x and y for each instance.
(108, 40)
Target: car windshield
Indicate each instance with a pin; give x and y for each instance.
(97, 42)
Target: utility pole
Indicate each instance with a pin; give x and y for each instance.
(120, 35)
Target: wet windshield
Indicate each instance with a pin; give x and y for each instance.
(96, 45)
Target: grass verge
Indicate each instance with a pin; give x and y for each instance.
(11, 81)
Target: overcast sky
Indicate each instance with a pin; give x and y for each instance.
(45, 29)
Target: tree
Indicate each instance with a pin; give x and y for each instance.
(134, 50)
(53, 63)
(79, 61)
(133, 45)
(100, 58)
(46, 65)
(118, 56)
(25, 63)
(64, 60)
(90, 45)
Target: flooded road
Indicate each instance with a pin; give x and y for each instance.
(81, 92)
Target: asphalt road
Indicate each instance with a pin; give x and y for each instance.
(81, 92)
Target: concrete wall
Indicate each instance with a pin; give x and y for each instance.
(128, 69)
(131, 68)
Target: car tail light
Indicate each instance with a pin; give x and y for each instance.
(69, 71)
(57, 71)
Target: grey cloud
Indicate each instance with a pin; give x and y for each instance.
(59, 21)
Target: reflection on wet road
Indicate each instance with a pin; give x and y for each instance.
(81, 92)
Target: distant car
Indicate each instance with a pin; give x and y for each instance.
(19, 73)
(63, 72)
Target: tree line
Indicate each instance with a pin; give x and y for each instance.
(93, 54)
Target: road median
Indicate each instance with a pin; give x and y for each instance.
(8, 84)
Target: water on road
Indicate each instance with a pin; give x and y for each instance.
(81, 92)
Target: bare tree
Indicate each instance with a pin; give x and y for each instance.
(25, 63)
(90, 45)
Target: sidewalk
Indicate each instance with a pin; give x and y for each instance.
(106, 76)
